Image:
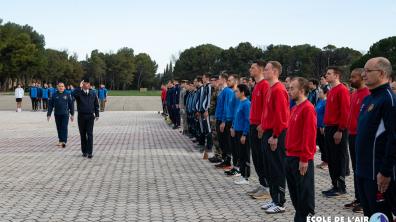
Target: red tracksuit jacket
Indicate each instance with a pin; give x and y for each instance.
(257, 103)
(356, 102)
(276, 109)
(337, 107)
(301, 132)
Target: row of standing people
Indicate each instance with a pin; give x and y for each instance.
(280, 127)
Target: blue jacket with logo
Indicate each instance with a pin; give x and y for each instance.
(219, 106)
(241, 120)
(33, 92)
(376, 135)
(45, 92)
(62, 103)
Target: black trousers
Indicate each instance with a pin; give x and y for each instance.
(301, 188)
(260, 165)
(34, 103)
(337, 157)
(228, 143)
(320, 141)
(220, 138)
(170, 112)
(62, 121)
(368, 191)
(244, 154)
(85, 126)
(276, 167)
(206, 131)
(352, 153)
(45, 104)
(176, 116)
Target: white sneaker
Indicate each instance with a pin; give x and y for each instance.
(267, 205)
(275, 210)
(241, 181)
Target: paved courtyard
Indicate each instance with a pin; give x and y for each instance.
(142, 170)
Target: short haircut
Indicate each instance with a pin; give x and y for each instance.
(303, 84)
(243, 88)
(314, 81)
(224, 75)
(261, 63)
(358, 70)
(199, 79)
(206, 75)
(276, 65)
(325, 89)
(385, 65)
(336, 70)
(60, 83)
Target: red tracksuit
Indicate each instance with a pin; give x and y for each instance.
(356, 102)
(337, 107)
(257, 102)
(276, 111)
(301, 132)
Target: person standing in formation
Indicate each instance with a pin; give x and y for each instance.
(19, 93)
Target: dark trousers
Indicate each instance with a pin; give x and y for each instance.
(276, 167)
(206, 131)
(337, 157)
(176, 116)
(352, 153)
(228, 143)
(62, 121)
(301, 188)
(260, 165)
(34, 103)
(45, 104)
(244, 154)
(220, 138)
(368, 191)
(85, 126)
(170, 112)
(320, 141)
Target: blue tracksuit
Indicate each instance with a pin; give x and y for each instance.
(241, 121)
(45, 92)
(102, 93)
(320, 110)
(39, 92)
(33, 92)
(51, 91)
(63, 105)
(230, 105)
(219, 106)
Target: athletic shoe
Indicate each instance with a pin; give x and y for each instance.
(275, 210)
(358, 209)
(255, 190)
(262, 194)
(222, 165)
(267, 205)
(84, 155)
(63, 145)
(335, 193)
(215, 159)
(351, 205)
(242, 181)
(331, 190)
(232, 172)
(90, 156)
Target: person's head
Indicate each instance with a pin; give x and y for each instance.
(356, 78)
(257, 68)
(245, 81)
(323, 80)
(184, 83)
(19, 86)
(313, 84)
(205, 78)
(393, 86)
(377, 71)
(61, 87)
(272, 70)
(323, 92)
(232, 81)
(199, 81)
(214, 82)
(242, 91)
(333, 74)
(299, 88)
(223, 78)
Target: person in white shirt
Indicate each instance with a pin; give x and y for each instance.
(19, 93)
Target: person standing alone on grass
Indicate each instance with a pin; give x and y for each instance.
(63, 105)
(19, 93)
(88, 112)
(300, 151)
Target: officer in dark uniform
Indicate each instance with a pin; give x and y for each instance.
(88, 111)
(64, 107)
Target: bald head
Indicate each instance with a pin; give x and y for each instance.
(377, 71)
(383, 64)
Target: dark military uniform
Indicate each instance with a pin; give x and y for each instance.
(64, 106)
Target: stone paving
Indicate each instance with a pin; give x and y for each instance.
(142, 170)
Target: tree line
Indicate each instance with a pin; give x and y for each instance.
(24, 59)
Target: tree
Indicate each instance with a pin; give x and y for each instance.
(145, 71)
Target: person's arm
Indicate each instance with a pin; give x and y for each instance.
(344, 106)
(50, 106)
(96, 106)
(208, 97)
(389, 119)
(246, 113)
(281, 112)
(308, 134)
(71, 105)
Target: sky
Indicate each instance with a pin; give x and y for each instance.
(165, 28)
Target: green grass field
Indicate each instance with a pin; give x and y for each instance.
(115, 93)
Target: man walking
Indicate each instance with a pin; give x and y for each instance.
(102, 95)
(88, 112)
